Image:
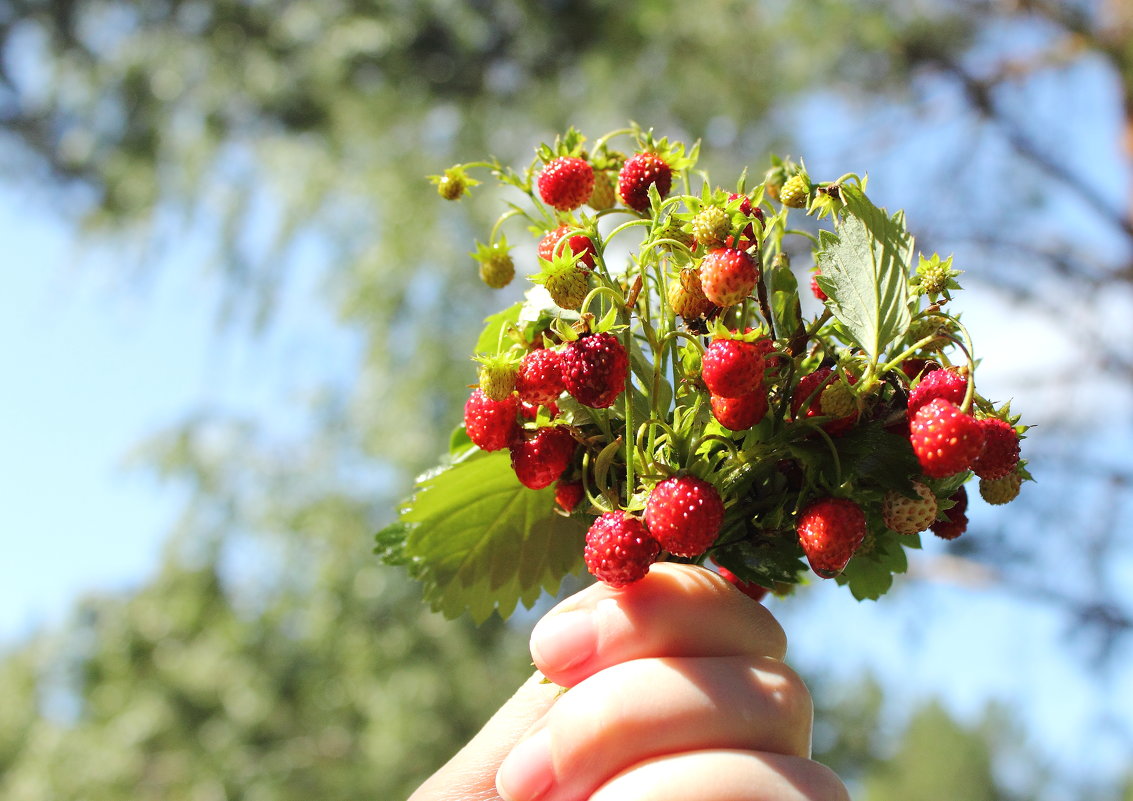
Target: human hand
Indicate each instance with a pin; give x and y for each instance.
(677, 691)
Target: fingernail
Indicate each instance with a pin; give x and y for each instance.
(527, 772)
(560, 642)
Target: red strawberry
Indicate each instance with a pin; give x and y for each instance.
(740, 414)
(618, 549)
(1001, 450)
(809, 391)
(540, 377)
(830, 530)
(815, 289)
(945, 440)
(594, 369)
(490, 424)
(566, 183)
(580, 245)
(947, 384)
(728, 276)
(732, 368)
(568, 494)
(748, 588)
(956, 522)
(543, 458)
(684, 514)
(747, 238)
(530, 411)
(637, 174)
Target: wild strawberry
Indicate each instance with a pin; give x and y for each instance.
(530, 411)
(998, 491)
(566, 183)
(945, 440)
(540, 377)
(568, 494)
(796, 191)
(454, 183)
(638, 173)
(540, 460)
(619, 549)
(684, 514)
(918, 367)
(710, 226)
(830, 530)
(955, 521)
(728, 276)
(748, 238)
(490, 424)
(907, 515)
(497, 377)
(604, 195)
(496, 266)
(580, 245)
(739, 414)
(686, 296)
(947, 384)
(566, 282)
(731, 368)
(748, 588)
(809, 393)
(838, 399)
(815, 289)
(594, 369)
(1001, 450)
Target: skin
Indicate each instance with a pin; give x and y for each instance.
(661, 706)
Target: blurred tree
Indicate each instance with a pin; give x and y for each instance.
(282, 129)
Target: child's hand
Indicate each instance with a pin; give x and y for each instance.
(678, 691)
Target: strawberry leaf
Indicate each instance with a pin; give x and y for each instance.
(480, 541)
(863, 271)
(491, 341)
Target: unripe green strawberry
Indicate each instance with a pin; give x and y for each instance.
(795, 192)
(909, 515)
(496, 266)
(810, 392)
(838, 400)
(945, 440)
(497, 376)
(830, 531)
(728, 276)
(565, 281)
(686, 296)
(998, 491)
(710, 226)
(453, 183)
(604, 195)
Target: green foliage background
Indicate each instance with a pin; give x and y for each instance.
(272, 657)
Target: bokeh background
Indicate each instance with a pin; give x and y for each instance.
(237, 322)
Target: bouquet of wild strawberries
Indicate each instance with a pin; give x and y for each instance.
(660, 395)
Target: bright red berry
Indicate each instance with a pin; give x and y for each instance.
(830, 530)
(748, 588)
(945, 440)
(816, 290)
(1001, 450)
(639, 172)
(540, 460)
(732, 368)
(594, 369)
(739, 414)
(619, 549)
(684, 514)
(566, 183)
(568, 494)
(490, 424)
(580, 245)
(540, 377)
(728, 276)
(947, 384)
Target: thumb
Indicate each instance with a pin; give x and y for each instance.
(471, 774)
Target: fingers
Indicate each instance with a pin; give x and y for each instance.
(725, 776)
(664, 614)
(471, 774)
(647, 708)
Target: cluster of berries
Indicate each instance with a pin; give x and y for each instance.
(682, 406)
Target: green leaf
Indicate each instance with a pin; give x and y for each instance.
(870, 574)
(490, 341)
(783, 288)
(480, 541)
(863, 271)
